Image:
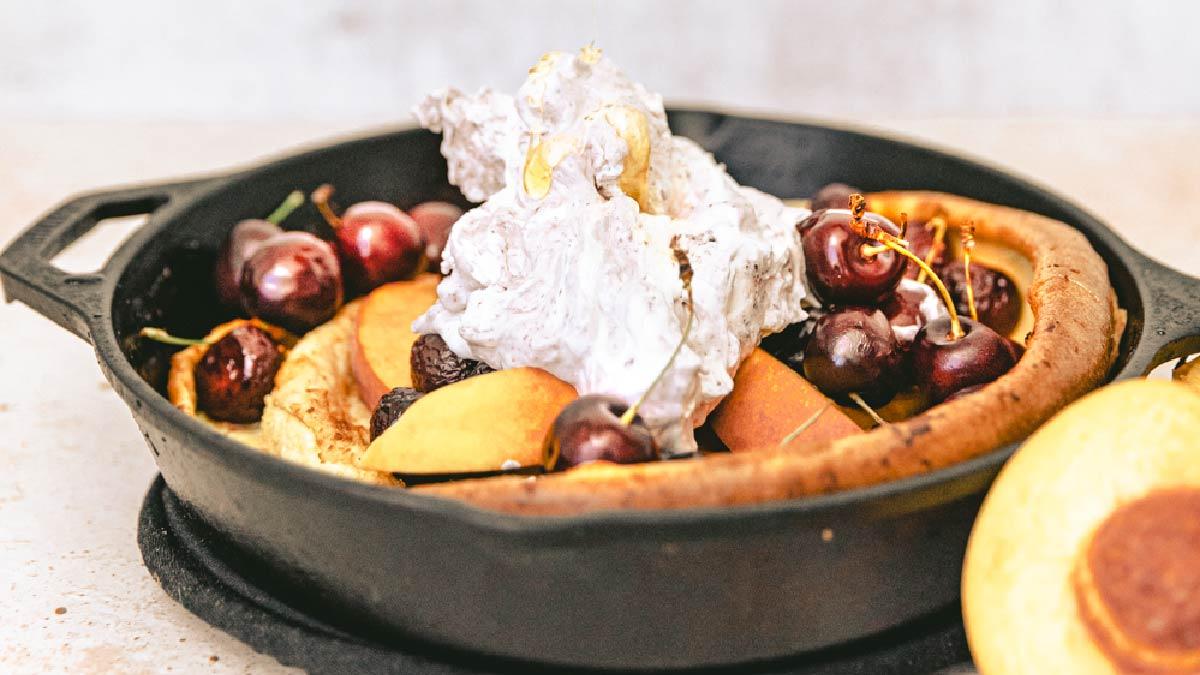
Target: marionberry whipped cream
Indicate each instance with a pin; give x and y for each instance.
(569, 264)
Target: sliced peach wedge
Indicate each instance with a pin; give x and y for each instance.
(479, 425)
(383, 337)
(769, 402)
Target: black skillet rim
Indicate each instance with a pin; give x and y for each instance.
(243, 458)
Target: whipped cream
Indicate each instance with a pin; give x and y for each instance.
(569, 264)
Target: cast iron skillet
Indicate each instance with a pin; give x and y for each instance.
(641, 589)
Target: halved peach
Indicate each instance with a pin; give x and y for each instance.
(478, 425)
(383, 336)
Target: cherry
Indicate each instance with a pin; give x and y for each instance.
(927, 241)
(591, 429)
(292, 280)
(944, 364)
(833, 196)
(995, 294)
(236, 373)
(839, 269)
(853, 350)
(241, 243)
(376, 241)
(903, 311)
(435, 220)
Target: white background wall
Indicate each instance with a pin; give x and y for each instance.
(366, 61)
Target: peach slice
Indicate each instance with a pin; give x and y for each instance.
(473, 426)
(770, 401)
(383, 337)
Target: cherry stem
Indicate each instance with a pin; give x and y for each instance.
(968, 244)
(164, 337)
(858, 400)
(956, 330)
(938, 224)
(320, 199)
(685, 274)
(281, 212)
(803, 426)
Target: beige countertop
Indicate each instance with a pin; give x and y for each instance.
(74, 596)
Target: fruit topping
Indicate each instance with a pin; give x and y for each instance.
(293, 280)
(434, 365)
(381, 356)
(839, 264)
(236, 369)
(243, 240)
(853, 350)
(928, 241)
(591, 428)
(376, 241)
(833, 196)
(769, 403)
(903, 311)
(995, 295)
(236, 374)
(435, 220)
(391, 406)
(944, 364)
(488, 423)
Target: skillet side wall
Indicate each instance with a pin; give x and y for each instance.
(626, 590)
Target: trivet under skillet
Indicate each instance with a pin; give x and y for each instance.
(190, 562)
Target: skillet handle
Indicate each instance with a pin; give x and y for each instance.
(75, 301)
(1172, 317)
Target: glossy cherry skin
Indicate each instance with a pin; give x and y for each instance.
(293, 280)
(589, 429)
(944, 365)
(435, 220)
(903, 310)
(853, 350)
(244, 239)
(996, 301)
(236, 373)
(920, 240)
(834, 196)
(836, 267)
(377, 243)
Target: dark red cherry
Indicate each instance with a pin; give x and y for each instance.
(376, 241)
(944, 365)
(589, 429)
(920, 241)
(243, 240)
(834, 196)
(903, 311)
(996, 301)
(435, 220)
(236, 373)
(292, 280)
(838, 270)
(241, 243)
(853, 350)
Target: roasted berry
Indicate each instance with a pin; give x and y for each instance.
(834, 196)
(996, 301)
(391, 406)
(434, 365)
(589, 429)
(236, 374)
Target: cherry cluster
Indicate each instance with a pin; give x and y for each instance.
(863, 346)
